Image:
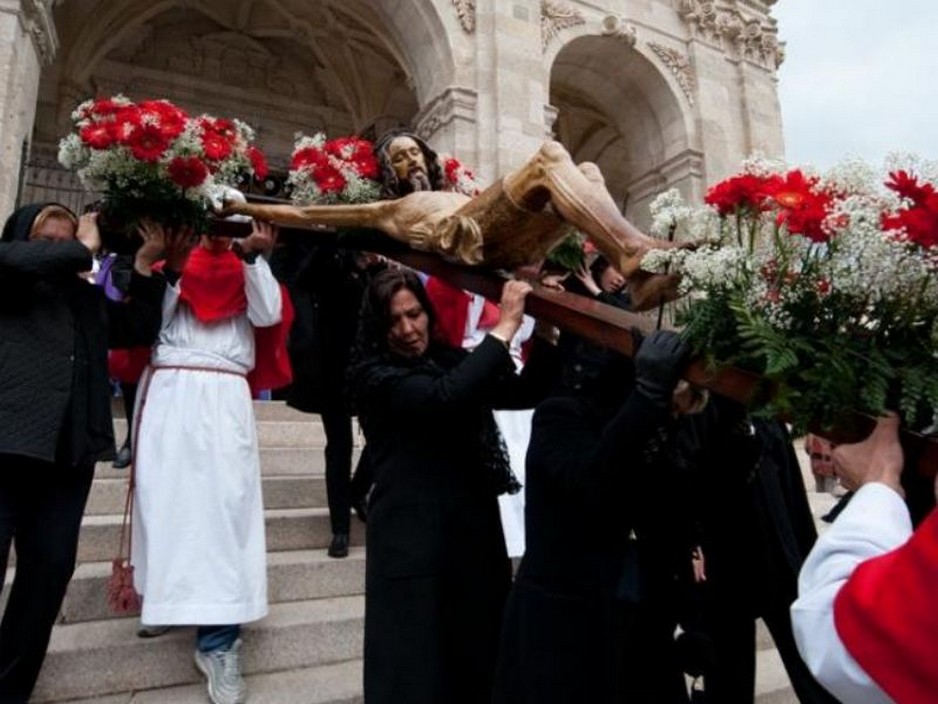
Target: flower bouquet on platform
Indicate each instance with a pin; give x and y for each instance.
(151, 159)
(825, 284)
(333, 171)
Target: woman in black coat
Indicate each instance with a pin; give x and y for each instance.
(326, 283)
(55, 413)
(437, 571)
(590, 617)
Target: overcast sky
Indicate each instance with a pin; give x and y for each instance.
(860, 77)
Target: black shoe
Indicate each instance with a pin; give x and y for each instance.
(360, 506)
(122, 461)
(339, 545)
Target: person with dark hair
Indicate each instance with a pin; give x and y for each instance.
(326, 283)
(437, 572)
(590, 617)
(755, 530)
(408, 164)
(55, 412)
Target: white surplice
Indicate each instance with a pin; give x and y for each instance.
(876, 521)
(199, 549)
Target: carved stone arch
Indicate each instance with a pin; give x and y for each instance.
(425, 43)
(619, 107)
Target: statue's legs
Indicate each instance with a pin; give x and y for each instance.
(578, 195)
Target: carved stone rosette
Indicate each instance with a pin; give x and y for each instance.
(679, 66)
(746, 36)
(466, 12)
(556, 16)
(453, 103)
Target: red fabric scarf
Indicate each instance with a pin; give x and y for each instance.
(212, 285)
(887, 617)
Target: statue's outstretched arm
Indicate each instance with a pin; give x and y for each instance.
(377, 215)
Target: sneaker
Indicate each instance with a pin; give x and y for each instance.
(222, 670)
(151, 631)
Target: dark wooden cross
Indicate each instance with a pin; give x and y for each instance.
(612, 328)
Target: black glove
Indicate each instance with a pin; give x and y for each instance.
(658, 366)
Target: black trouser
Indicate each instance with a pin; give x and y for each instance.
(41, 505)
(338, 428)
(129, 393)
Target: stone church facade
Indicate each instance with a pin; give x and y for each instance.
(659, 93)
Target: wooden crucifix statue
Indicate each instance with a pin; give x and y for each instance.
(512, 224)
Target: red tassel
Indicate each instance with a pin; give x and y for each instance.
(121, 595)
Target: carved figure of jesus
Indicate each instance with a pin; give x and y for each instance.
(512, 224)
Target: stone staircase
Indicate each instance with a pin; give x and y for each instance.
(307, 651)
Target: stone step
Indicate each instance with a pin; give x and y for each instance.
(287, 529)
(104, 658)
(299, 491)
(772, 683)
(263, 410)
(274, 461)
(270, 433)
(340, 683)
(294, 575)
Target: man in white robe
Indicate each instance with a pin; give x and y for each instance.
(866, 618)
(198, 542)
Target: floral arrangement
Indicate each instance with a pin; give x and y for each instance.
(152, 159)
(340, 170)
(823, 283)
(459, 177)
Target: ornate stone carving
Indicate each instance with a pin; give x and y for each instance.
(453, 103)
(556, 16)
(466, 11)
(745, 35)
(37, 19)
(616, 27)
(679, 65)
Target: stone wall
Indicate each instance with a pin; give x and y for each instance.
(659, 93)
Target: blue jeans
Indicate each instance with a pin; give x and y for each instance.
(209, 638)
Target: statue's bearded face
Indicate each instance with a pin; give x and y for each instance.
(409, 163)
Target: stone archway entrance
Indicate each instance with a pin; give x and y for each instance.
(338, 66)
(628, 121)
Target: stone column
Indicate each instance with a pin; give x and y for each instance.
(27, 43)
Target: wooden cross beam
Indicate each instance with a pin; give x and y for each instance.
(607, 326)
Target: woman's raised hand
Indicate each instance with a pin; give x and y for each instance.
(511, 308)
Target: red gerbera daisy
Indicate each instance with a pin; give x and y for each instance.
(187, 172)
(97, 135)
(147, 143)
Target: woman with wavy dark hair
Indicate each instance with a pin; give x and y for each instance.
(437, 573)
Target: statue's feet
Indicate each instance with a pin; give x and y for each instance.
(649, 291)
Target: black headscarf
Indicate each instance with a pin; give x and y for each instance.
(373, 366)
(20, 223)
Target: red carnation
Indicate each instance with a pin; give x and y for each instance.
(187, 172)
(258, 163)
(147, 143)
(920, 222)
(97, 136)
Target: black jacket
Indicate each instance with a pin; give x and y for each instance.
(54, 333)
(437, 572)
(570, 633)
